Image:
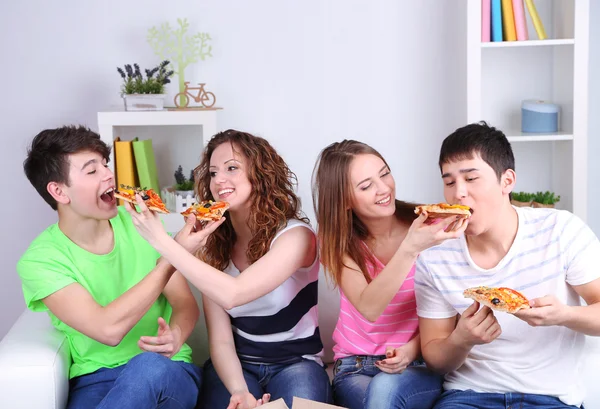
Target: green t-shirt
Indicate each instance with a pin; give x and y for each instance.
(53, 261)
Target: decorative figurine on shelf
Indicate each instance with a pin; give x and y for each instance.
(142, 94)
(183, 49)
(207, 99)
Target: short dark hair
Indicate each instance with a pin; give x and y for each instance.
(47, 157)
(479, 139)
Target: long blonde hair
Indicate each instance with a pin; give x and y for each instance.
(272, 201)
(341, 233)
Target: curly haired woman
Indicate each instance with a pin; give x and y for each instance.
(258, 272)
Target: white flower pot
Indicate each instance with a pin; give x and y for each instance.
(144, 102)
(177, 200)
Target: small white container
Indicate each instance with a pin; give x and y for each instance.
(144, 102)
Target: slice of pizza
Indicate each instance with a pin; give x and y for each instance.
(150, 198)
(443, 210)
(498, 298)
(207, 210)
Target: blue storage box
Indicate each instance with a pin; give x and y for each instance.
(539, 116)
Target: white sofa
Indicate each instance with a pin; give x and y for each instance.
(34, 358)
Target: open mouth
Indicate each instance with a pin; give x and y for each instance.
(385, 200)
(108, 196)
(225, 192)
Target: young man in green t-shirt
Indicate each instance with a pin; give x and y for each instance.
(125, 311)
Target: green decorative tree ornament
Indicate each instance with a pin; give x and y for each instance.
(181, 48)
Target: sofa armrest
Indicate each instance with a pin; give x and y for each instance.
(34, 364)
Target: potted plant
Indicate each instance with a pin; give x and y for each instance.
(144, 94)
(522, 199)
(184, 186)
(545, 199)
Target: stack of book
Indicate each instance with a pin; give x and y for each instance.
(135, 164)
(504, 20)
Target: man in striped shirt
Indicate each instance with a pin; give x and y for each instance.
(494, 359)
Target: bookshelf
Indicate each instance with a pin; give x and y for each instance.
(502, 74)
(178, 138)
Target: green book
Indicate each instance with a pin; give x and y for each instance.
(146, 164)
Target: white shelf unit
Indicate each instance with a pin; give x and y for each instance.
(502, 74)
(178, 138)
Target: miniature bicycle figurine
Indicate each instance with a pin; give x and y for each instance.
(207, 99)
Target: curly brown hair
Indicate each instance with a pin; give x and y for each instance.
(272, 201)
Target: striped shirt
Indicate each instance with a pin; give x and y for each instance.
(552, 251)
(398, 324)
(281, 326)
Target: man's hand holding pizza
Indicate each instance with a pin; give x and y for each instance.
(545, 311)
(476, 327)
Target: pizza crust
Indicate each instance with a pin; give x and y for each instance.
(498, 299)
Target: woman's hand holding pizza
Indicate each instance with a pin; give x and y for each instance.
(476, 327)
(245, 400)
(146, 222)
(545, 311)
(423, 233)
(193, 236)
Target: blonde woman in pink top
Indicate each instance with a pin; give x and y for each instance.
(369, 242)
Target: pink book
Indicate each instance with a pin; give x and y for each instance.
(520, 23)
(486, 13)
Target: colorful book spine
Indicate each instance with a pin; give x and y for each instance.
(125, 168)
(520, 22)
(496, 20)
(486, 15)
(535, 18)
(508, 21)
(146, 164)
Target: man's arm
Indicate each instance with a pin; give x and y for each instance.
(446, 342)
(585, 319)
(581, 259)
(185, 308)
(549, 310)
(75, 306)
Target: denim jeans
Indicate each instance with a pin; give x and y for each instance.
(305, 379)
(455, 399)
(148, 380)
(359, 384)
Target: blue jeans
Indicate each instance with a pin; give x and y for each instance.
(148, 380)
(455, 399)
(359, 384)
(305, 379)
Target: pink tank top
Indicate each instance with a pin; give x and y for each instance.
(398, 324)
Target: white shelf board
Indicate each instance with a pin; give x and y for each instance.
(528, 43)
(534, 137)
(149, 118)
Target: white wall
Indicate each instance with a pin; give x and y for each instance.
(594, 120)
(301, 74)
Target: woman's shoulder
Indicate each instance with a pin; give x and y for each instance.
(291, 224)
